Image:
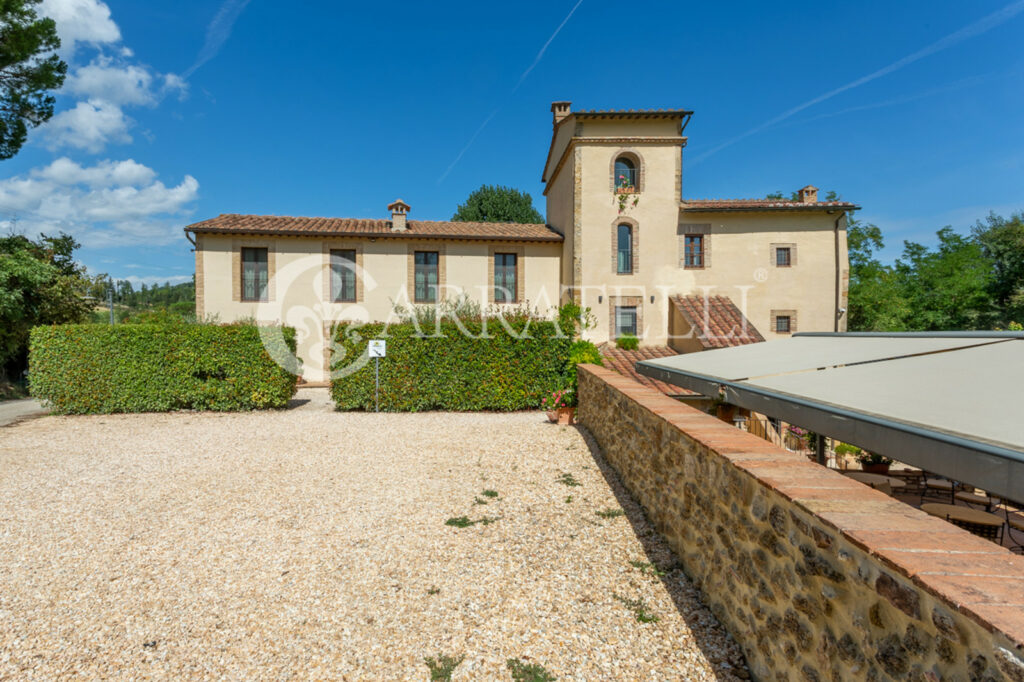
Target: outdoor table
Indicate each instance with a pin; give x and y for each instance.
(978, 522)
(973, 498)
(876, 480)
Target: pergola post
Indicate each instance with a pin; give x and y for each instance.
(819, 449)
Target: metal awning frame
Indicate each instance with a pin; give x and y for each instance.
(996, 469)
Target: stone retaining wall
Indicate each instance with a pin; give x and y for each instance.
(818, 577)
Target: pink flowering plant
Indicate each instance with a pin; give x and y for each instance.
(565, 397)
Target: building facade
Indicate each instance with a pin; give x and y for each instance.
(619, 239)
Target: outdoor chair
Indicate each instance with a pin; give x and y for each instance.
(912, 478)
(939, 488)
(1014, 524)
(975, 499)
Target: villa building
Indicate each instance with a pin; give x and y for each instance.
(620, 238)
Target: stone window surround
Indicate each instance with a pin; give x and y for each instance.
(638, 161)
(329, 246)
(792, 255)
(625, 220)
(236, 267)
(520, 252)
(624, 302)
(685, 230)
(784, 313)
(411, 250)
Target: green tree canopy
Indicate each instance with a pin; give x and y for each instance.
(29, 70)
(39, 284)
(494, 203)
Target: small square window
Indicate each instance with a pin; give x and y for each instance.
(625, 321)
(783, 256)
(782, 324)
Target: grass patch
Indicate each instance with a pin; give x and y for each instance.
(611, 513)
(639, 608)
(466, 522)
(647, 568)
(434, 589)
(569, 480)
(490, 493)
(442, 667)
(477, 500)
(568, 499)
(528, 672)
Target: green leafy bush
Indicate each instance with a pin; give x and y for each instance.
(627, 342)
(451, 365)
(89, 369)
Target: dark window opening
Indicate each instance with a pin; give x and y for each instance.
(693, 251)
(425, 277)
(343, 275)
(624, 262)
(625, 321)
(255, 274)
(505, 278)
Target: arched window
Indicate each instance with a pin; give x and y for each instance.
(624, 260)
(625, 175)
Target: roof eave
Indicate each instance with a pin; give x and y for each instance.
(553, 238)
(751, 209)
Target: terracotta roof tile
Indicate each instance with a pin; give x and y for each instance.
(717, 320)
(624, 362)
(762, 204)
(232, 223)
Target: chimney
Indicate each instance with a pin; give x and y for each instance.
(560, 110)
(399, 209)
(809, 195)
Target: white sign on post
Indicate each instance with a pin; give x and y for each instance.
(378, 348)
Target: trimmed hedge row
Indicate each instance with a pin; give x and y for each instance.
(455, 370)
(95, 368)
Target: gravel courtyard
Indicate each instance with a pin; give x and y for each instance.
(313, 544)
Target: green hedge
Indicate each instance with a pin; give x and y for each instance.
(95, 368)
(454, 371)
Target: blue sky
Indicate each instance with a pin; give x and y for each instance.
(175, 112)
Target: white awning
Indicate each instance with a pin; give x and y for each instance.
(947, 402)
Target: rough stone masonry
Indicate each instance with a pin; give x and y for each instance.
(817, 576)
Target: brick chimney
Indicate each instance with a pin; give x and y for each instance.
(560, 111)
(399, 209)
(809, 195)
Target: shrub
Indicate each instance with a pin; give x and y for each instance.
(847, 449)
(627, 342)
(89, 369)
(448, 366)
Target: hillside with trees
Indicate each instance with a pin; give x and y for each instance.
(967, 281)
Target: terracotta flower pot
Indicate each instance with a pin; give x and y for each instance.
(875, 468)
(566, 415)
(552, 416)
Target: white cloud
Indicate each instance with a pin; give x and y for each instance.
(111, 203)
(81, 21)
(113, 83)
(91, 126)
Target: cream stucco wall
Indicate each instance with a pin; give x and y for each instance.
(298, 296)
(740, 243)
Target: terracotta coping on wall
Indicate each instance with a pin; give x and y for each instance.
(974, 576)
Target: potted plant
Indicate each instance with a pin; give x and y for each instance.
(560, 406)
(873, 463)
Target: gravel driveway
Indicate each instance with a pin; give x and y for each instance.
(313, 544)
